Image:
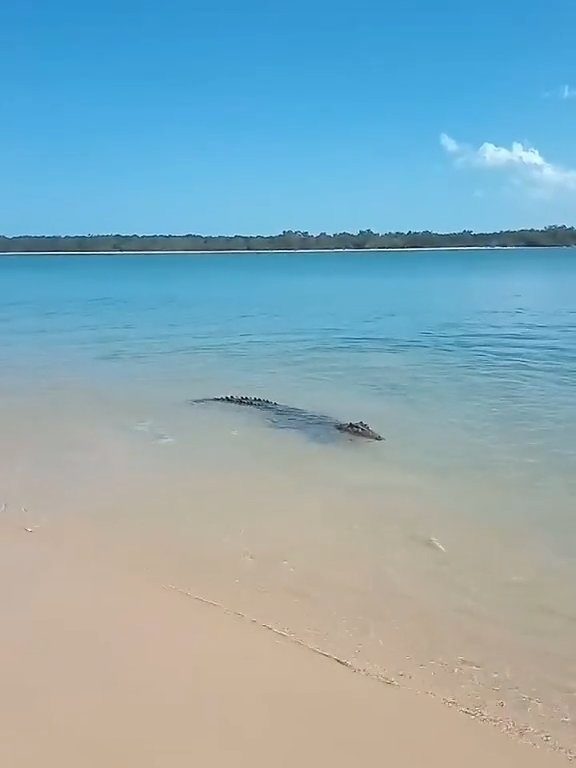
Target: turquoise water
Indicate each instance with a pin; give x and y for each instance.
(465, 361)
(477, 347)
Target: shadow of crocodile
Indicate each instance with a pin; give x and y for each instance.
(281, 416)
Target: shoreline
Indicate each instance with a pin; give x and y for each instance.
(107, 667)
(294, 250)
(216, 561)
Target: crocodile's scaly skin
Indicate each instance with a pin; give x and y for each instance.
(296, 418)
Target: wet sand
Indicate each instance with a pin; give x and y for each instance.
(103, 666)
(120, 504)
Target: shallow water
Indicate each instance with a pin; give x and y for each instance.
(444, 556)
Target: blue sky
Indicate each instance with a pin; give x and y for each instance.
(254, 116)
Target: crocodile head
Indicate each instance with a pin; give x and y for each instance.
(359, 429)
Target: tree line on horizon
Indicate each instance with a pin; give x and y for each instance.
(291, 240)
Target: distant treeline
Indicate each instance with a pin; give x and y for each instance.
(292, 241)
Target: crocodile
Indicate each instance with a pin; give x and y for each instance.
(289, 417)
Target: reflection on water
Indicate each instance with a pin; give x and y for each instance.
(444, 555)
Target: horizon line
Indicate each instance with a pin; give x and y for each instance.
(299, 233)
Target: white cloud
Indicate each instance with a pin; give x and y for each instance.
(563, 92)
(449, 144)
(522, 161)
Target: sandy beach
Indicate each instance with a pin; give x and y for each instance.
(267, 251)
(103, 667)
